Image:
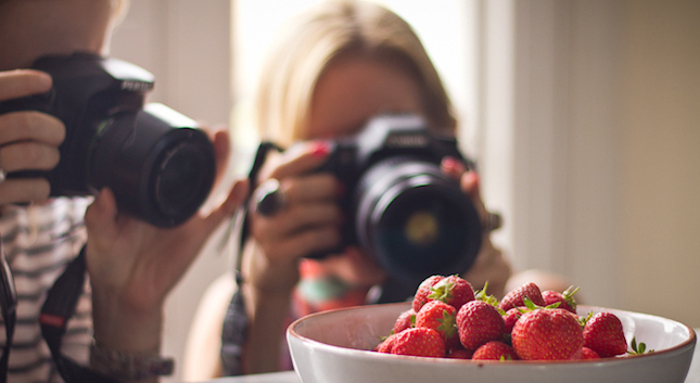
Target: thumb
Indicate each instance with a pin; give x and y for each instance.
(101, 215)
(235, 198)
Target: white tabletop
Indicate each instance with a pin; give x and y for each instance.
(291, 376)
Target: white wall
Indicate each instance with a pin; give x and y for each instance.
(592, 128)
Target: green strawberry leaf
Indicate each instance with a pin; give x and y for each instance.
(638, 349)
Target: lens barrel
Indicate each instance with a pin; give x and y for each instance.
(415, 221)
(159, 171)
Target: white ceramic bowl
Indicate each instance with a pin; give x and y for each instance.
(332, 347)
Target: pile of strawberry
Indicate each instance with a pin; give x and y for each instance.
(449, 319)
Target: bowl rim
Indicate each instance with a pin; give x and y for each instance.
(692, 339)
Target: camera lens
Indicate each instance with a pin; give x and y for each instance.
(180, 185)
(415, 221)
(160, 170)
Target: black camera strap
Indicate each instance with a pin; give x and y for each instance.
(8, 297)
(260, 155)
(59, 307)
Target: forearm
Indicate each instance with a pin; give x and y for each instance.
(267, 316)
(120, 331)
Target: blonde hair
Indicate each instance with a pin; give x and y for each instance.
(320, 35)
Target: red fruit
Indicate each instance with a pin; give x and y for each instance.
(494, 350)
(478, 322)
(512, 316)
(587, 353)
(387, 344)
(515, 297)
(425, 289)
(452, 290)
(405, 320)
(419, 342)
(440, 317)
(566, 299)
(459, 353)
(604, 334)
(547, 334)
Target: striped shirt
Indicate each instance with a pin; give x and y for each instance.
(39, 240)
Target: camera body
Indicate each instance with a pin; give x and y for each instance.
(412, 219)
(159, 165)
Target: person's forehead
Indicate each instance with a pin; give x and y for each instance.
(355, 88)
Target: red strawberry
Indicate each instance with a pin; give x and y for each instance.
(440, 317)
(478, 322)
(566, 299)
(547, 334)
(387, 344)
(587, 353)
(603, 333)
(425, 289)
(515, 297)
(512, 316)
(494, 350)
(419, 342)
(458, 352)
(452, 290)
(405, 320)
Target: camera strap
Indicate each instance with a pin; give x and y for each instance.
(260, 156)
(8, 298)
(59, 307)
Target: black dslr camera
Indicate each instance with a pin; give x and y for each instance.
(402, 210)
(160, 166)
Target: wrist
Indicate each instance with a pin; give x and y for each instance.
(128, 366)
(121, 328)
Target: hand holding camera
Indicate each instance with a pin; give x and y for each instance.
(28, 139)
(160, 166)
(399, 207)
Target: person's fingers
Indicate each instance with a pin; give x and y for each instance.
(296, 219)
(302, 244)
(23, 82)
(471, 184)
(23, 190)
(315, 187)
(235, 198)
(101, 215)
(222, 149)
(453, 167)
(28, 155)
(300, 159)
(31, 126)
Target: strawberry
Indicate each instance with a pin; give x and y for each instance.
(511, 316)
(425, 289)
(458, 352)
(603, 333)
(494, 350)
(406, 319)
(439, 316)
(452, 290)
(566, 299)
(479, 322)
(419, 341)
(515, 297)
(387, 344)
(587, 353)
(547, 334)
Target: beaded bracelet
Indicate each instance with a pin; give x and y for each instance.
(128, 366)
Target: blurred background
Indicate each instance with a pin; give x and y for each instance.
(583, 115)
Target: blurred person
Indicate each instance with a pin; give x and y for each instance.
(132, 265)
(334, 68)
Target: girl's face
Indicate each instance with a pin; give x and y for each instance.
(355, 88)
(348, 94)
